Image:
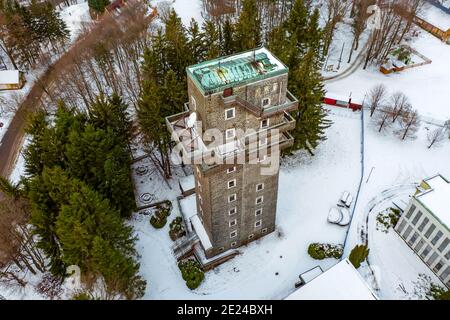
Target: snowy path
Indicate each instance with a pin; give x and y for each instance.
(353, 67)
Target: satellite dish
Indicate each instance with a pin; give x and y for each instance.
(191, 120)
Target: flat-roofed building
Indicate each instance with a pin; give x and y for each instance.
(340, 282)
(11, 80)
(424, 225)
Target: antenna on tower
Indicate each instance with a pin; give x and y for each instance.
(190, 123)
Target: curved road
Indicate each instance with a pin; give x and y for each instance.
(354, 66)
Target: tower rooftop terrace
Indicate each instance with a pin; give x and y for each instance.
(238, 69)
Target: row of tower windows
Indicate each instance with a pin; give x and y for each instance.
(231, 114)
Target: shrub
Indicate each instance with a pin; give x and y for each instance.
(176, 229)
(191, 273)
(159, 218)
(320, 251)
(439, 293)
(388, 219)
(358, 255)
(82, 296)
(394, 216)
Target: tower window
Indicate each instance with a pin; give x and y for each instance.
(264, 230)
(265, 102)
(232, 197)
(258, 212)
(251, 236)
(233, 244)
(230, 133)
(258, 223)
(231, 170)
(259, 187)
(259, 200)
(228, 92)
(232, 211)
(231, 183)
(232, 223)
(230, 113)
(233, 234)
(265, 123)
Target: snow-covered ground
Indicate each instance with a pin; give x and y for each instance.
(186, 9)
(427, 87)
(396, 166)
(75, 17)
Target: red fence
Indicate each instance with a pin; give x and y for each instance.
(343, 104)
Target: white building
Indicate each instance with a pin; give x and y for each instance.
(11, 80)
(425, 225)
(340, 282)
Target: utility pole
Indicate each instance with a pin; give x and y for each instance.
(340, 58)
(326, 62)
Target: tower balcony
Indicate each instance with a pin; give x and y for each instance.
(195, 148)
(290, 104)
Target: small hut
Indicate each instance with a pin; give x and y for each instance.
(11, 80)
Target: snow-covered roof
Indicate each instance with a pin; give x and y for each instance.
(9, 77)
(188, 182)
(340, 282)
(437, 198)
(343, 97)
(215, 75)
(201, 232)
(189, 212)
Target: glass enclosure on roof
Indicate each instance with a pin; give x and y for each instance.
(216, 75)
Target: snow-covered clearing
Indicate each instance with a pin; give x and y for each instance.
(396, 166)
(75, 17)
(427, 87)
(186, 9)
(303, 206)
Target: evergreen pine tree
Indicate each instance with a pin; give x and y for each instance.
(248, 28)
(306, 84)
(228, 45)
(177, 52)
(212, 44)
(358, 254)
(196, 43)
(98, 6)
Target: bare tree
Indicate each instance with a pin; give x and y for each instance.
(17, 245)
(399, 102)
(381, 118)
(336, 11)
(408, 9)
(435, 136)
(409, 123)
(377, 97)
(360, 15)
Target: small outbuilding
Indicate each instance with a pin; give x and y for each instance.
(11, 80)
